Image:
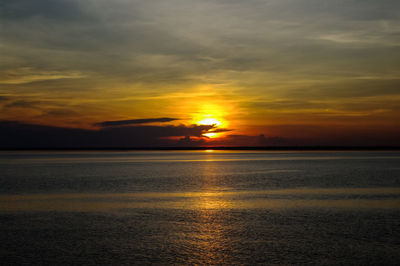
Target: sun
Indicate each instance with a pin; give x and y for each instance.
(212, 115)
(210, 121)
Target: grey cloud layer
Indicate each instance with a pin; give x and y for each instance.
(253, 45)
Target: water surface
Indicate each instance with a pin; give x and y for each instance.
(197, 207)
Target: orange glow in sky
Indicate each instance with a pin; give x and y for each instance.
(278, 80)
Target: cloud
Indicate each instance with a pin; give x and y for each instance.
(22, 104)
(177, 44)
(4, 98)
(15, 135)
(135, 121)
(219, 130)
(50, 9)
(27, 75)
(18, 135)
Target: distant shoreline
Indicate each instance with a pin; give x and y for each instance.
(249, 148)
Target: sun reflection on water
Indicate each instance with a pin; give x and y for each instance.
(211, 238)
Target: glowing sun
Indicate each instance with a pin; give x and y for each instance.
(210, 121)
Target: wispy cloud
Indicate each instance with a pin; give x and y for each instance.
(135, 121)
(28, 75)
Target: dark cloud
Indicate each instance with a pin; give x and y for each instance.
(22, 104)
(135, 121)
(4, 98)
(219, 130)
(190, 142)
(59, 112)
(49, 9)
(18, 135)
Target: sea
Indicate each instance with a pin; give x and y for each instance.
(204, 207)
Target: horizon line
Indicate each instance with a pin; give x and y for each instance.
(266, 148)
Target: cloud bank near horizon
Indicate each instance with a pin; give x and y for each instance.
(18, 135)
(15, 135)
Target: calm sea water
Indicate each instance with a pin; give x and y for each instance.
(198, 207)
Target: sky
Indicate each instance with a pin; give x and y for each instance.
(199, 72)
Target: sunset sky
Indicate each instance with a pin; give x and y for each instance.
(172, 72)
